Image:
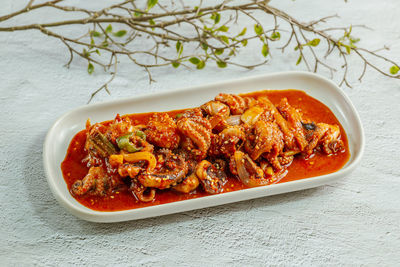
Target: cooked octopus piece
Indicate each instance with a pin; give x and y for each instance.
(211, 177)
(129, 170)
(198, 132)
(271, 113)
(247, 170)
(188, 184)
(327, 136)
(172, 171)
(236, 103)
(266, 140)
(228, 141)
(97, 182)
(144, 194)
(217, 114)
(294, 119)
(216, 108)
(162, 131)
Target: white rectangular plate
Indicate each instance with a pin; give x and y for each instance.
(61, 133)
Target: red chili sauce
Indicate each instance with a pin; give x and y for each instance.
(318, 164)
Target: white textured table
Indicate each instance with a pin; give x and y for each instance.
(354, 221)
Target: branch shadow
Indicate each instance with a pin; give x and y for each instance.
(47, 209)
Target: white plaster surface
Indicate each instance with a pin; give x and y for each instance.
(352, 222)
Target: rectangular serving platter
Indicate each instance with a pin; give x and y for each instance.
(62, 131)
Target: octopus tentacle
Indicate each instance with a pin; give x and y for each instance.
(142, 193)
(210, 177)
(237, 104)
(188, 184)
(328, 136)
(199, 131)
(96, 182)
(172, 172)
(267, 140)
(330, 142)
(294, 119)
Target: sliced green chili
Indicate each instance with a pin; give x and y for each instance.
(141, 134)
(124, 143)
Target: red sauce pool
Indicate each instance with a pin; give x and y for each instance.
(73, 169)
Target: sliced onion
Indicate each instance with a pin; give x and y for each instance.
(251, 115)
(244, 166)
(240, 167)
(233, 120)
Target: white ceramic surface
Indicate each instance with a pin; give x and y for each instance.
(61, 133)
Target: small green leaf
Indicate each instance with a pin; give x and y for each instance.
(219, 51)
(91, 43)
(96, 34)
(179, 48)
(224, 39)
(258, 29)
(348, 49)
(297, 48)
(194, 60)
(138, 13)
(265, 50)
(109, 28)
(299, 60)
(120, 33)
(243, 32)
(244, 42)
(223, 28)
(232, 52)
(208, 29)
(347, 33)
(90, 68)
(85, 53)
(204, 46)
(201, 65)
(151, 4)
(104, 44)
(175, 64)
(394, 69)
(152, 22)
(314, 42)
(221, 64)
(97, 52)
(216, 17)
(275, 36)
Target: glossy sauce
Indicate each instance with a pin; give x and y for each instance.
(318, 164)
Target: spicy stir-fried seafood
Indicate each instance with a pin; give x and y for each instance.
(248, 138)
